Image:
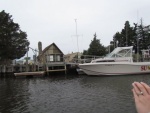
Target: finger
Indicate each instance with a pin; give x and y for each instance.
(146, 87)
(141, 88)
(136, 89)
(135, 95)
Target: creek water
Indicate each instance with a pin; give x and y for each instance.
(69, 94)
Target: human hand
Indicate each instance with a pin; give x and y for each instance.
(141, 93)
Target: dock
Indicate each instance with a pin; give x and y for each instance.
(41, 73)
(37, 70)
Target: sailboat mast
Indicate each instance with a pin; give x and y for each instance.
(77, 37)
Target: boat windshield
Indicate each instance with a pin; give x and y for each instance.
(112, 53)
(120, 52)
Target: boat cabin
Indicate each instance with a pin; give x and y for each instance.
(119, 54)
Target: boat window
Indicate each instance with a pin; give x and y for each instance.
(105, 61)
(111, 61)
(125, 53)
(119, 55)
(101, 61)
(112, 54)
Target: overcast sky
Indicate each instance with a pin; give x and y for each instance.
(51, 21)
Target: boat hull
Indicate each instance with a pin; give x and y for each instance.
(115, 68)
(80, 72)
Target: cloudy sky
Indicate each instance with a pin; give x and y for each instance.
(51, 21)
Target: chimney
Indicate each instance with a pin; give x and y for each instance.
(40, 47)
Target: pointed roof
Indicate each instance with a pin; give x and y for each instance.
(49, 47)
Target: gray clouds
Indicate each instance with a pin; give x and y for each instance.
(51, 21)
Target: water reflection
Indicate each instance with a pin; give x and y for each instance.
(13, 95)
(69, 94)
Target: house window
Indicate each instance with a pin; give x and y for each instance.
(51, 58)
(58, 58)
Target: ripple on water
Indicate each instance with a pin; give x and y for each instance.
(82, 94)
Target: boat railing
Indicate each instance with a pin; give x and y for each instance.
(86, 58)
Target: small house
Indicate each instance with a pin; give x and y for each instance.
(50, 54)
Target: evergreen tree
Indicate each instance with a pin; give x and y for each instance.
(126, 37)
(142, 37)
(13, 41)
(95, 48)
(85, 52)
(137, 36)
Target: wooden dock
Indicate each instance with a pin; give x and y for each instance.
(36, 70)
(40, 73)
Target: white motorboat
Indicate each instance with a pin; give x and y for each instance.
(118, 62)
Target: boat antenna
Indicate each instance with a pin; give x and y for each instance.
(126, 35)
(137, 37)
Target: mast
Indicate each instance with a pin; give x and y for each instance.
(137, 38)
(77, 38)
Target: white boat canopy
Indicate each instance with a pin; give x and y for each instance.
(121, 52)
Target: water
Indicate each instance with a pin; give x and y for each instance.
(69, 94)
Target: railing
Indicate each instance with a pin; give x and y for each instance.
(85, 59)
